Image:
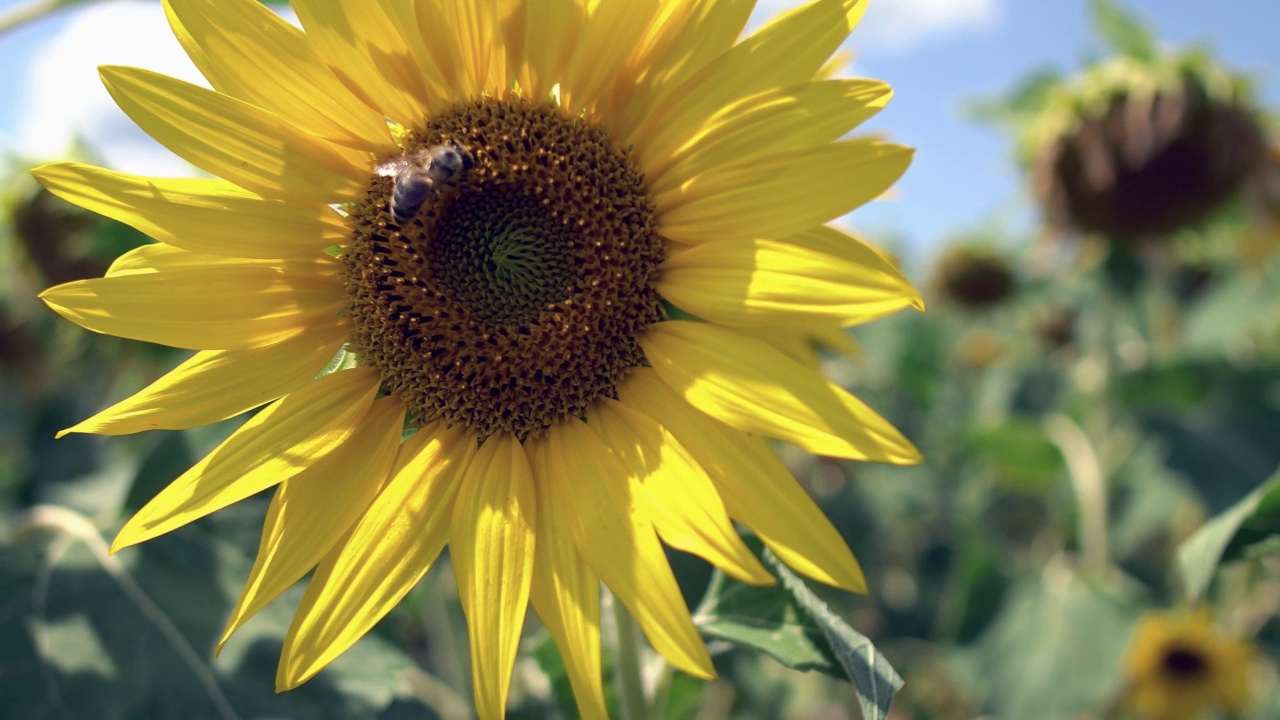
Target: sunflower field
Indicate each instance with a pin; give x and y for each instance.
(601, 359)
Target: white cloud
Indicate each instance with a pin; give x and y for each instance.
(65, 101)
(896, 26)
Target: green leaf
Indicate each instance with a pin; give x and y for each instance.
(132, 635)
(1227, 442)
(684, 696)
(766, 619)
(1055, 651)
(795, 627)
(1229, 535)
(874, 679)
(1123, 31)
(1022, 456)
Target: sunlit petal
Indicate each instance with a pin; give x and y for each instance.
(611, 529)
(164, 295)
(206, 215)
(218, 384)
(685, 507)
(313, 510)
(565, 593)
(492, 547)
(756, 487)
(744, 382)
(276, 444)
(386, 554)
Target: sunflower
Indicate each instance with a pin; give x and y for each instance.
(628, 163)
(1180, 668)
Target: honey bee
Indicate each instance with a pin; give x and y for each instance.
(421, 174)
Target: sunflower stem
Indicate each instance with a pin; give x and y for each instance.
(1088, 479)
(627, 663)
(662, 693)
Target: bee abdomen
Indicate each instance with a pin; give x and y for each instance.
(408, 196)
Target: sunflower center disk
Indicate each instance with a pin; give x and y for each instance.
(515, 294)
(1184, 663)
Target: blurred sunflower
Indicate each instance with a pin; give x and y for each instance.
(1180, 668)
(625, 162)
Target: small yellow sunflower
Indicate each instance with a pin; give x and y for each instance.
(627, 162)
(1180, 667)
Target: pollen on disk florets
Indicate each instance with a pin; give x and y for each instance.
(516, 293)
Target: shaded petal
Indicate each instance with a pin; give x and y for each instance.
(782, 193)
(748, 384)
(368, 52)
(232, 139)
(611, 529)
(783, 119)
(764, 283)
(540, 38)
(198, 214)
(789, 50)
(492, 548)
(805, 345)
(608, 37)
(249, 52)
(686, 510)
(214, 385)
(465, 43)
(190, 300)
(286, 438)
(313, 510)
(756, 487)
(566, 594)
(388, 552)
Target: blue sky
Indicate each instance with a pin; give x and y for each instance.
(938, 54)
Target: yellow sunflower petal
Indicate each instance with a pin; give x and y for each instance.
(388, 552)
(202, 215)
(690, 34)
(248, 52)
(314, 509)
(203, 302)
(275, 445)
(566, 594)
(418, 32)
(492, 548)
(367, 51)
(756, 487)
(781, 193)
(609, 525)
(607, 39)
(694, 33)
(218, 384)
(540, 40)
(464, 42)
(804, 345)
(686, 510)
(773, 283)
(789, 50)
(778, 120)
(746, 383)
(232, 139)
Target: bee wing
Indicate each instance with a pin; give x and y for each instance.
(395, 166)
